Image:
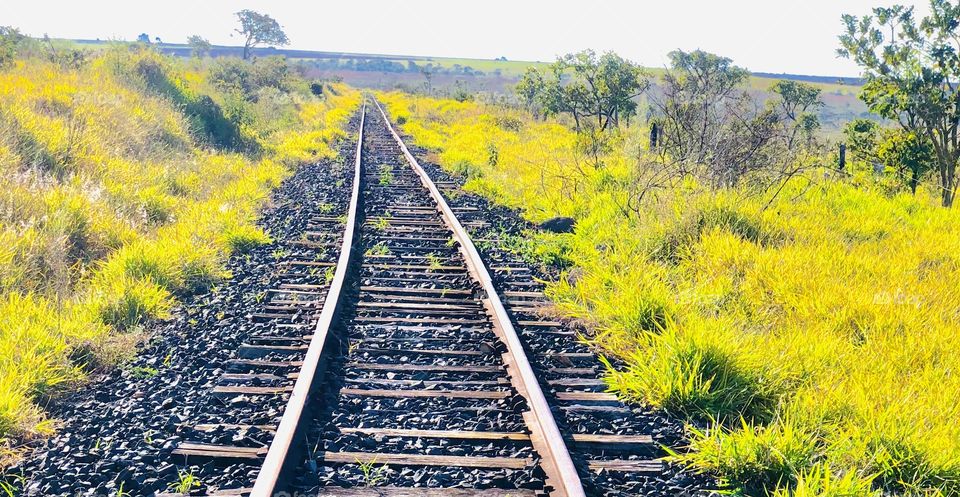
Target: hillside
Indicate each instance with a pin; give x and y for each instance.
(128, 179)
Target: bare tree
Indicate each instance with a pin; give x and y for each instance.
(711, 128)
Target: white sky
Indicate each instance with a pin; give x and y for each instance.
(794, 36)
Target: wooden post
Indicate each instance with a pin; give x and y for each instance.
(654, 134)
(843, 155)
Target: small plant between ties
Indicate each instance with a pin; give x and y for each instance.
(386, 175)
(186, 482)
(380, 249)
(434, 261)
(373, 475)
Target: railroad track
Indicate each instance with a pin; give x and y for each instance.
(414, 368)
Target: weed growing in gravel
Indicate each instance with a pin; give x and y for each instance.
(121, 492)
(434, 261)
(243, 239)
(186, 482)
(381, 223)
(385, 176)
(816, 335)
(143, 371)
(325, 207)
(373, 475)
(328, 275)
(10, 483)
(380, 249)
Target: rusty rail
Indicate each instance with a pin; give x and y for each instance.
(277, 462)
(546, 437)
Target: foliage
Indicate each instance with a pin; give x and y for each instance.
(913, 71)
(249, 79)
(596, 91)
(798, 101)
(259, 29)
(199, 45)
(10, 41)
(907, 157)
(824, 318)
(120, 196)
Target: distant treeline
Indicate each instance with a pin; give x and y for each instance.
(326, 60)
(387, 65)
(812, 79)
(396, 64)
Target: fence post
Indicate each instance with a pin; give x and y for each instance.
(843, 155)
(654, 134)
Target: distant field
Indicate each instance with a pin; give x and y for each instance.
(382, 71)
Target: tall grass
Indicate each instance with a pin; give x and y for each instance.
(813, 339)
(125, 182)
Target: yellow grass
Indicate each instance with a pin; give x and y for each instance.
(113, 202)
(817, 338)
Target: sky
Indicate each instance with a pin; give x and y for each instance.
(779, 36)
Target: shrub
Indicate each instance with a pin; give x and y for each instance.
(34, 357)
(820, 481)
(681, 237)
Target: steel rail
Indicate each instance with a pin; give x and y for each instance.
(275, 463)
(546, 436)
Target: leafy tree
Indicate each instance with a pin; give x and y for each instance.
(143, 38)
(200, 46)
(908, 155)
(530, 87)
(797, 102)
(913, 71)
(596, 91)
(863, 137)
(259, 29)
(10, 41)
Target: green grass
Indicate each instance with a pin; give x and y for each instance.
(814, 335)
(122, 194)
